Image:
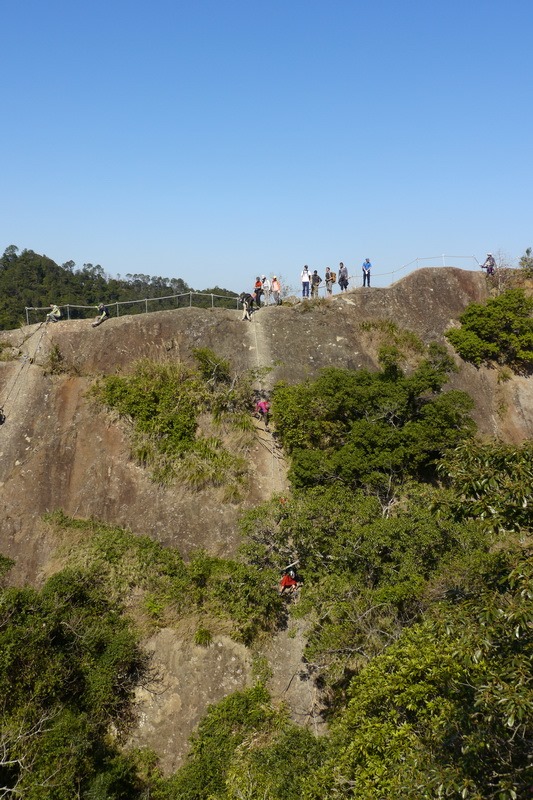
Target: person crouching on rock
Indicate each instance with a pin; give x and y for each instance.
(247, 301)
(54, 315)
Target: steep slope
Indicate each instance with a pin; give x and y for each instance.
(58, 450)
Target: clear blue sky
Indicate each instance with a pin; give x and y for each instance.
(219, 139)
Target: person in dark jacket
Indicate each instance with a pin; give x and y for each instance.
(247, 301)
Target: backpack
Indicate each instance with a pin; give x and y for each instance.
(333, 277)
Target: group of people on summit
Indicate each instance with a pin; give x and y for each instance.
(311, 281)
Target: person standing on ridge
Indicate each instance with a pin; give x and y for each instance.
(316, 280)
(489, 264)
(266, 289)
(367, 266)
(328, 278)
(343, 277)
(276, 290)
(258, 291)
(305, 281)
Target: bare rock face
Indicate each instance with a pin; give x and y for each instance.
(189, 679)
(59, 451)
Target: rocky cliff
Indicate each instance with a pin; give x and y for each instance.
(59, 451)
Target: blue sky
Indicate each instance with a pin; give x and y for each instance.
(214, 141)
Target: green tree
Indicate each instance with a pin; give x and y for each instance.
(500, 331)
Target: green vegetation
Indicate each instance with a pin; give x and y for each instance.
(69, 662)
(167, 403)
(371, 430)
(413, 540)
(500, 331)
(28, 279)
(526, 262)
(143, 575)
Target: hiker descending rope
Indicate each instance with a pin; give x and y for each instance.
(290, 581)
(262, 409)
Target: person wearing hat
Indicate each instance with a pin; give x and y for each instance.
(266, 289)
(276, 290)
(489, 264)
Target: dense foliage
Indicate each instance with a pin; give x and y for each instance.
(499, 331)
(371, 430)
(166, 588)
(28, 279)
(413, 543)
(166, 403)
(69, 662)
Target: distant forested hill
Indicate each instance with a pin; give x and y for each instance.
(28, 279)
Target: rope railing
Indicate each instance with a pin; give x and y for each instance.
(443, 258)
(206, 300)
(233, 302)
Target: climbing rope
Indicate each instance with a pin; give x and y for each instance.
(25, 361)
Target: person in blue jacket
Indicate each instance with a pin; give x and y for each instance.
(367, 266)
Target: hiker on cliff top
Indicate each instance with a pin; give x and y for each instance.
(329, 278)
(54, 315)
(367, 266)
(247, 301)
(276, 290)
(316, 280)
(343, 277)
(102, 316)
(266, 289)
(489, 264)
(258, 291)
(305, 277)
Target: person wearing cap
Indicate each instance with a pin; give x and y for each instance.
(367, 266)
(266, 289)
(305, 277)
(489, 264)
(276, 290)
(316, 280)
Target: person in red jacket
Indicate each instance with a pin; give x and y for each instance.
(289, 582)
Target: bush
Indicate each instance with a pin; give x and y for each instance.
(501, 330)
